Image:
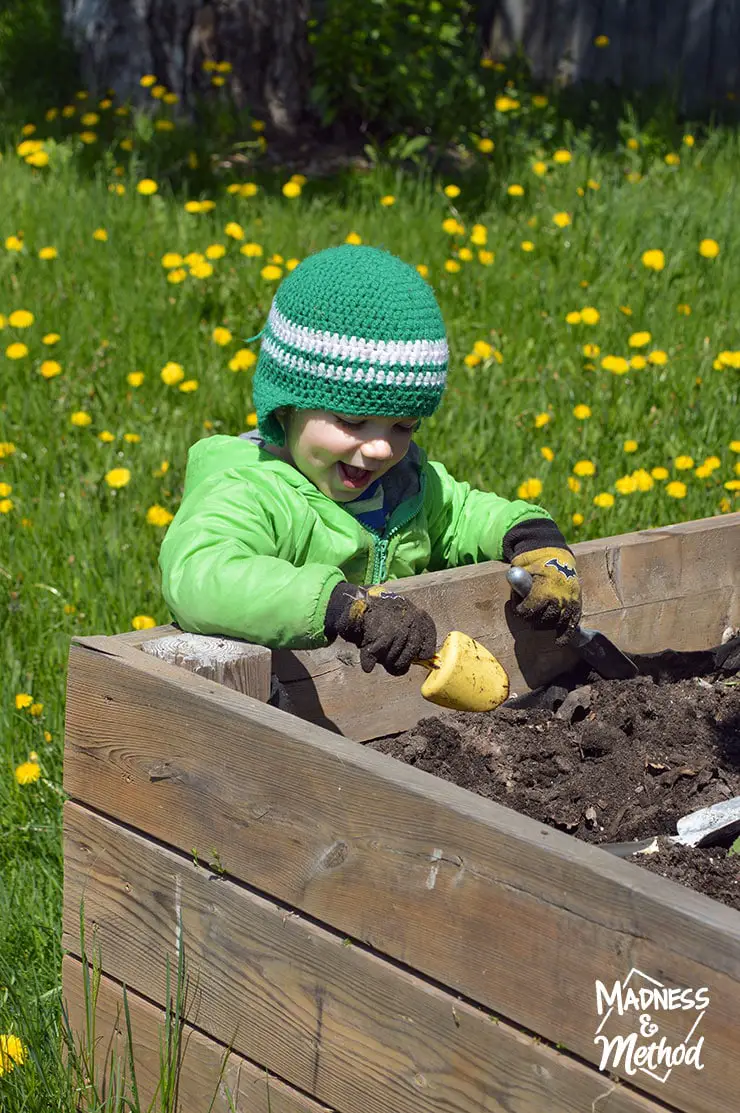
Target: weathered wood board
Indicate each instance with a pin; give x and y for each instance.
(518, 918)
(207, 1070)
(335, 1020)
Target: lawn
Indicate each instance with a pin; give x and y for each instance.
(592, 305)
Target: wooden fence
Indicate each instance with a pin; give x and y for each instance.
(691, 45)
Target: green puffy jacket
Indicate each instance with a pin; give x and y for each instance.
(255, 549)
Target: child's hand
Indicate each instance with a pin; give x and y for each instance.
(386, 628)
(555, 597)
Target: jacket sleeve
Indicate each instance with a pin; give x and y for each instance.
(467, 526)
(225, 570)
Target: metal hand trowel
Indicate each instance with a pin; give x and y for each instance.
(594, 647)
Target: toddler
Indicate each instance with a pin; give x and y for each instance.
(282, 531)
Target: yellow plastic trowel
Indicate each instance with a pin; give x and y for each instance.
(463, 675)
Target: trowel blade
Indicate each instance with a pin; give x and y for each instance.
(603, 655)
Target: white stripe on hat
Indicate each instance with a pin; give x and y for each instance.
(428, 379)
(411, 353)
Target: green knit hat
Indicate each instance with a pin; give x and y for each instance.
(352, 329)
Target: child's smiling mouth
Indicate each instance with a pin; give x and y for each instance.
(353, 478)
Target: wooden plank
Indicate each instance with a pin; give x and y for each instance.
(136, 638)
(243, 1086)
(696, 56)
(516, 916)
(725, 68)
(238, 664)
(337, 1021)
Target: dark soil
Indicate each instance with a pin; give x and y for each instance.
(607, 761)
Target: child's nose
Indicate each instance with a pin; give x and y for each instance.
(379, 448)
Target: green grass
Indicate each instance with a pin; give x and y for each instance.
(79, 557)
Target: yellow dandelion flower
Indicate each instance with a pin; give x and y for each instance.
(164, 125)
(271, 273)
(189, 386)
(221, 336)
(22, 701)
(234, 230)
(215, 251)
(143, 622)
(639, 339)
(584, 467)
(6, 505)
(172, 373)
(505, 103)
(192, 207)
(676, 489)
(5, 490)
(479, 235)
(465, 254)
(251, 250)
(452, 191)
(590, 316)
(591, 351)
(630, 446)
(388, 200)
(7, 448)
(604, 500)
(618, 365)
(36, 709)
(515, 190)
(50, 368)
(132, 438)
(16, 351)
(25, 774)
(529, 489)
(638, 363)
(14, 243)
(539, 168)
(353, 238)
(626, 485)
(573, 318)
(48, 253)
(653, 259)
(709, 249)
(485, 146)
(147, 186)
(562, 156)
(577, 519)
(688, 140)
(527, 245)
(20, 318)
(106, 436)
(486, 258)
(157, 515)
(684, 309)
(450, 226)
(147, 80)
(201, 270)
(117, 477)
(423, 270)
(574, 484)
(593, 184)
(171, 259)
(471, 360)
(562, 219)
(452, 266)
(542, 419)
(101, 235)
(601, 41)
(540, 101)
(291, 189)
(177, 274)
(251, 419)
(242, 360)
(643, 480)
(658, 357)
(734, 446)
(483, 349)
(672, 159)
(548, 453)
(581, 412)
(81, 418)
(659, 473)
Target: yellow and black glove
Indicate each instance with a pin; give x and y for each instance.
(554, 600)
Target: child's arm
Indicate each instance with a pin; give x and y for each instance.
(225, 571)
(467, 526)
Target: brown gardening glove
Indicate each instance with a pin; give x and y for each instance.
(386, 628)
(555, 598)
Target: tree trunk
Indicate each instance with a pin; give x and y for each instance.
(264, 40)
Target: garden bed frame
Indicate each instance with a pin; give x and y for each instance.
(363, 936)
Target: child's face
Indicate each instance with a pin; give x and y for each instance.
(342, 454)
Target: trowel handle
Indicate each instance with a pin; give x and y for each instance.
(520, 580)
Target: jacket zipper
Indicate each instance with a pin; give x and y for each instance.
(380, 555)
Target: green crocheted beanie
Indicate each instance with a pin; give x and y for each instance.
(352, 329)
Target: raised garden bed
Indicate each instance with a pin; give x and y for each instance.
(365, 935)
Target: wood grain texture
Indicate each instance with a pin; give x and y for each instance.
(335, 1020)
(677, 588)
(230, 661)
(516, 916)
(243, 1087)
